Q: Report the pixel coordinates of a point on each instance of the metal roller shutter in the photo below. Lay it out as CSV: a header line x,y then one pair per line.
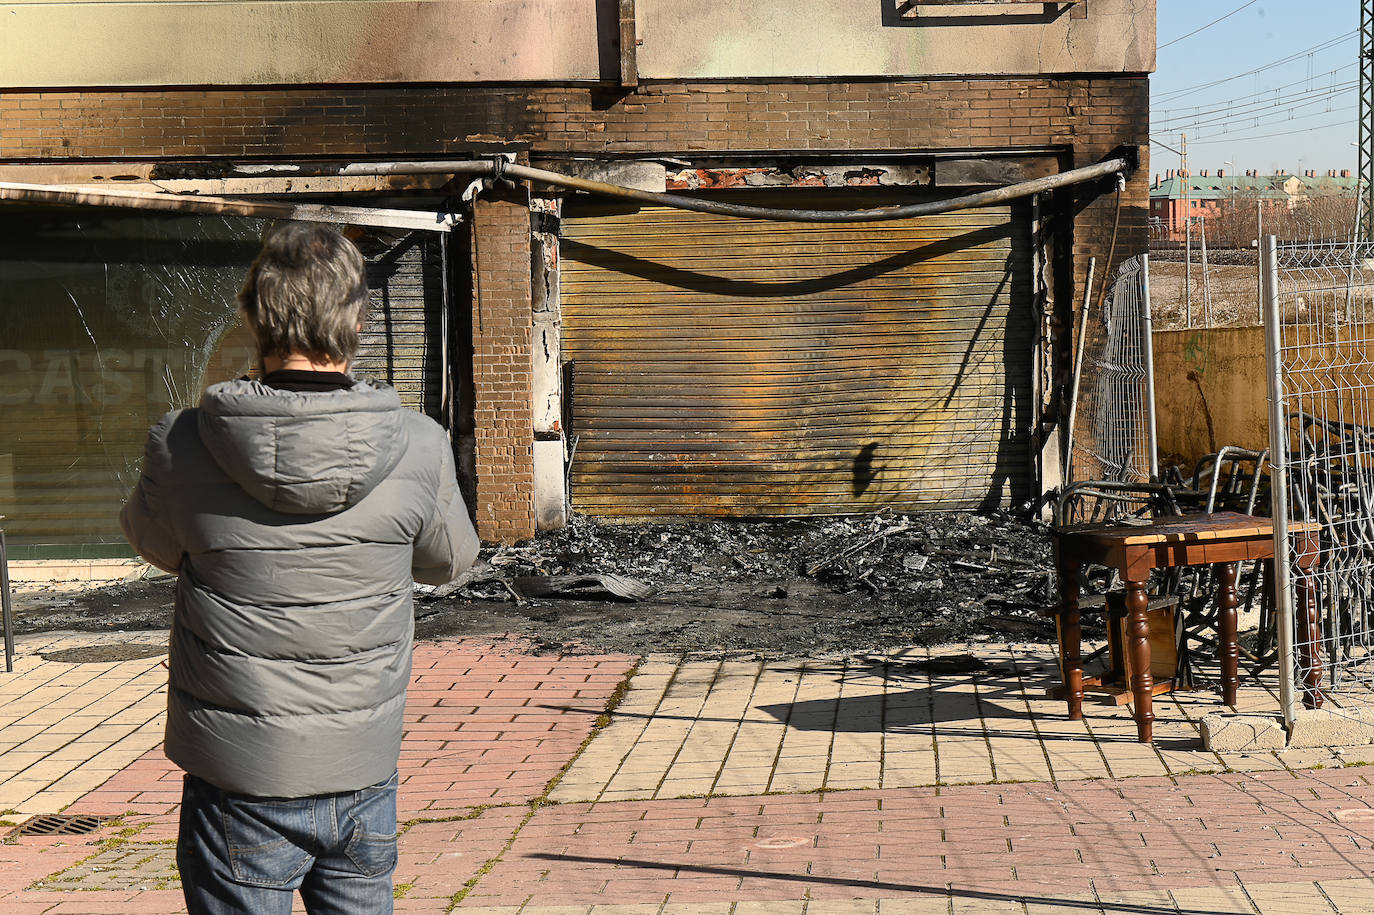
x,y
734,367
401,343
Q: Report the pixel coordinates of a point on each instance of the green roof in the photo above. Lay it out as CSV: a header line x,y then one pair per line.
x,y
1212,187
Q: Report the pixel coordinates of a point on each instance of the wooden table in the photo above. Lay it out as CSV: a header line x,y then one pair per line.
x,y
1221,539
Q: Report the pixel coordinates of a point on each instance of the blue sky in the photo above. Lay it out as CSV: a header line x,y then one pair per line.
x,y
1284,81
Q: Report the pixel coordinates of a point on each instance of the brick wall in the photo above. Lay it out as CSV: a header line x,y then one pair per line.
x,y
503,408
420,120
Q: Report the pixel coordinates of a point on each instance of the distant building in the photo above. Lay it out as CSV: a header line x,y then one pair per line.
x,y
1205,196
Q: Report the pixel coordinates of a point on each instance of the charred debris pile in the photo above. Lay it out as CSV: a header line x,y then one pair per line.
x,y
973,568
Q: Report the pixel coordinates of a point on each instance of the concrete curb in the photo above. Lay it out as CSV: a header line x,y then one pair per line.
x,y
1312,728
1230,733
1347,727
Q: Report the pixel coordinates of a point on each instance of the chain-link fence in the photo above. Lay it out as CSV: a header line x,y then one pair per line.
x,y
1320,331
1114,426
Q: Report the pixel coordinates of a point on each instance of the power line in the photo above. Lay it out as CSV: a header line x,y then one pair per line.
x,y
1269,99
1226,138
1188,90
1321,46
1301,117
1257,96
1257,111
1207,26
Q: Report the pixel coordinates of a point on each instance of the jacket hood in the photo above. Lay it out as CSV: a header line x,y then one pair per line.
x,y
303,453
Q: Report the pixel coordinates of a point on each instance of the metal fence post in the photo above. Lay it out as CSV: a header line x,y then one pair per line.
x,y
1278,475
1187,270
1259,256
1078,367
1148,347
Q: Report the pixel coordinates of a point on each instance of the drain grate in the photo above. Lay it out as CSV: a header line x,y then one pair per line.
x,y
59,825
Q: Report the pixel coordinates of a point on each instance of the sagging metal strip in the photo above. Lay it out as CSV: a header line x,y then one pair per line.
x,y
74,195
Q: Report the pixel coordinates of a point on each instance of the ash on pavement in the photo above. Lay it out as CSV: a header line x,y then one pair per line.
x,y
776,589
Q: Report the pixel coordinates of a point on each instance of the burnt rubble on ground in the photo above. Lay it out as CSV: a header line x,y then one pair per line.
x,y
941,562
770,589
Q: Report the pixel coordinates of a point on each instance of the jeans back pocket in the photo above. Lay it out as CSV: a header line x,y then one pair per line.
x,y
372,819
265,840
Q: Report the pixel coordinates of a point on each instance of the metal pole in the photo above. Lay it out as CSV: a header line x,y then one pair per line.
x,y
1187,268
1078,367
1365,117
1149,353
1187,229
1278,477
1206,276
1259,261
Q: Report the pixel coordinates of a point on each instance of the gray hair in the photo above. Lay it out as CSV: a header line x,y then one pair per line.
x,y
306,293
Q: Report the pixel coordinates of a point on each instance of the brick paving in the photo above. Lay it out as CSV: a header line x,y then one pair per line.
x,y
827,786
67,728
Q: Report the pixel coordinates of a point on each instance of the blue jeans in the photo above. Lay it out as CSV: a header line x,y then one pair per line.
x,y
238,853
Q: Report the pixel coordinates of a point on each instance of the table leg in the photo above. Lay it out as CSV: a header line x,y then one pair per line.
x,y
1309,641
1138,650
1071,637
1228,644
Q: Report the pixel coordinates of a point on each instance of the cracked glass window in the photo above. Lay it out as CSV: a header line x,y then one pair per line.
x,y
108,319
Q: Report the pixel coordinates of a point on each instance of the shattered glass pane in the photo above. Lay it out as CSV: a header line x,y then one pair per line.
x,y
108,319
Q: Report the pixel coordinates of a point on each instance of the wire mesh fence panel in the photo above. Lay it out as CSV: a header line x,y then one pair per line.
x,y
1114,426
1205,269
1320,321
1180,287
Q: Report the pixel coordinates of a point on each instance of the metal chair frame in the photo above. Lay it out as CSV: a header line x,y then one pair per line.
x,y
1231,479
1098,501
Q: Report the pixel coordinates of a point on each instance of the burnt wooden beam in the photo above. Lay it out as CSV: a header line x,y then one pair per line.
x,y
629,45
993,170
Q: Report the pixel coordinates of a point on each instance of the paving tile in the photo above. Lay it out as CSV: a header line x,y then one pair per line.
x,y
1217,900
1350,896
1279,898
914,906
782,907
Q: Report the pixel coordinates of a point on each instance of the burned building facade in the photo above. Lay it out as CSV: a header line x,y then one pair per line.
x,y
588,353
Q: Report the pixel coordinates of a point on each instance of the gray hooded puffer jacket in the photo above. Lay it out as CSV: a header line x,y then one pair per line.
x,y
295,522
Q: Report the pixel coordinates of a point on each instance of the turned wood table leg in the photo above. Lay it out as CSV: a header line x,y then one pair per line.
x,y
1138,650
1228,645
1071,637
1309,641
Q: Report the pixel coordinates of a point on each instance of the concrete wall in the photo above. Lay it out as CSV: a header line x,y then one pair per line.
x,y
1211,387
775,38
57,43
1210,390
201,42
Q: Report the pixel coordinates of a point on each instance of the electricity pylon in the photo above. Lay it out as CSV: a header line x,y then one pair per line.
x,y
1366,134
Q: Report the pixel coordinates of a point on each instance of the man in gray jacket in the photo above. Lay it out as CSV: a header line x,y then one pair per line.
x,y
295,510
